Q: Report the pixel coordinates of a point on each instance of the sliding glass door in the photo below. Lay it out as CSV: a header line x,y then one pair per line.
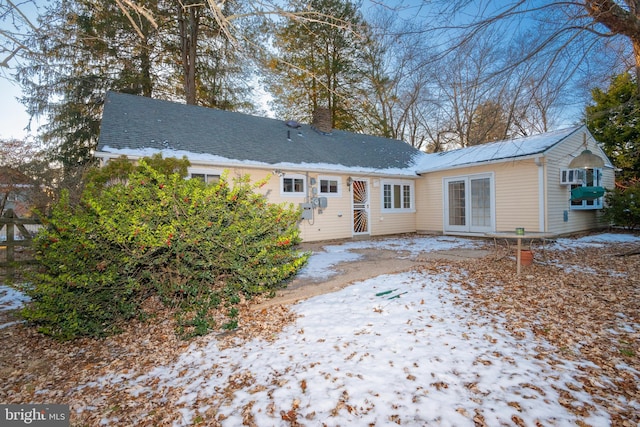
x,y
468,204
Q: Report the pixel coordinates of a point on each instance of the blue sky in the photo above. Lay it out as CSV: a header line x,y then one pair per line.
x,y
13,117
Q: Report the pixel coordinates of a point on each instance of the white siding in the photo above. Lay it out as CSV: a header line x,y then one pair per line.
x,y
561,219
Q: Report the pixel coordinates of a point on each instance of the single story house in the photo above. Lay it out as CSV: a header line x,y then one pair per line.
x,y
16,191
350,185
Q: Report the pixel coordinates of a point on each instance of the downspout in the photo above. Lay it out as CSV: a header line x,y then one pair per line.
x,y
541,195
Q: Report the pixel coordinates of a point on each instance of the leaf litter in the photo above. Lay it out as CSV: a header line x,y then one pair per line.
x,y
467,343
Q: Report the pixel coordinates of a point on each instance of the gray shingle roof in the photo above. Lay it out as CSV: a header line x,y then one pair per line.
x,y
139,123
506,150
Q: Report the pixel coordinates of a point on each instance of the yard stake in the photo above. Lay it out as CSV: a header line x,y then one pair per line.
x,y
398,296
379,294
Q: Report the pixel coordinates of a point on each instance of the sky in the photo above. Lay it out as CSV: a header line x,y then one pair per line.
x,y
13,116
14,119
392,349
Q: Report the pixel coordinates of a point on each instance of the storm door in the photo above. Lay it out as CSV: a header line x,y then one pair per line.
x,y
360,194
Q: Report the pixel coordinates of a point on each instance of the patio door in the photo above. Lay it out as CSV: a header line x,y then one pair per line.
x,y
469,204
360,204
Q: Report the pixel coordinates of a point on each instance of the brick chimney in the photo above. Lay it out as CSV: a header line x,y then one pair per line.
x,y
322,120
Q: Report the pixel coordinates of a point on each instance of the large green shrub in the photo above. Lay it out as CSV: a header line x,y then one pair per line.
x,y
198,247
623,206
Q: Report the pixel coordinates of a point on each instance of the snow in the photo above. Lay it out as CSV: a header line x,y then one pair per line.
x,y
226,162
319,265
595,240
354,357
11,298
418,359
500,150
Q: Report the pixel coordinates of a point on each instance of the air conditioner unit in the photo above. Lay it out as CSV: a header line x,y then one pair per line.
x,y
572,176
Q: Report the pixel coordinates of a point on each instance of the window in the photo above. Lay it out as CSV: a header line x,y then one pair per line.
x,y
205,177
592,178
329,186
397,196
469,205
293,185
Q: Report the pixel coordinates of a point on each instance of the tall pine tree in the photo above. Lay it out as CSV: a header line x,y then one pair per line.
x,y
614,120
86,47
316,64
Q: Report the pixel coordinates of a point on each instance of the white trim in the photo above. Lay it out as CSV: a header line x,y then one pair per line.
x,y
401,183
468,227
541,197
293,176
336,178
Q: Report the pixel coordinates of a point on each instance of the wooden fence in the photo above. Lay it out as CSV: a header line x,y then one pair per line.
x,y
10,240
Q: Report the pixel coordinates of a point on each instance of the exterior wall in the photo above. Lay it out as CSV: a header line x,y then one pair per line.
x,y
528,192
517,196
336,220
560,218
383,222
515,186
429,204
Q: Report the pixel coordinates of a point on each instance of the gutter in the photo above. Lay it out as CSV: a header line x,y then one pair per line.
x,y
289,167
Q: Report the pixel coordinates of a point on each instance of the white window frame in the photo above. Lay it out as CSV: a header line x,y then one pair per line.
x,y
586,205
338,193
293,176
206,172
468,226
402,184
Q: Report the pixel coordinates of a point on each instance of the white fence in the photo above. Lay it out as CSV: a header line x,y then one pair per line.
x,y
31,228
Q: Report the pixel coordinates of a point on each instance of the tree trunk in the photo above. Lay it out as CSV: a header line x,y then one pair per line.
x,y
636,56
145,64
189,21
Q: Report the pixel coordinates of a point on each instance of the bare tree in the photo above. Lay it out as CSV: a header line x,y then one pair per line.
x,y
15,26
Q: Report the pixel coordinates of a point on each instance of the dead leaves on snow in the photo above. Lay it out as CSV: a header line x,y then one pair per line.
x,y
585,303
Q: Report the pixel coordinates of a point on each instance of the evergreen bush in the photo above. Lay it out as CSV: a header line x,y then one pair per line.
x,y
200,247
623,206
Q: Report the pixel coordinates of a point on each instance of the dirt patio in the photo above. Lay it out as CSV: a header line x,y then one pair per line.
x,y
374,262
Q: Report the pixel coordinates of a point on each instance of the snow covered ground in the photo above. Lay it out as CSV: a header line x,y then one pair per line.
x,y
366,356
321,264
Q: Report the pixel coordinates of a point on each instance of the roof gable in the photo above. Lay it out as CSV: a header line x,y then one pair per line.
x,y
134,124
495,151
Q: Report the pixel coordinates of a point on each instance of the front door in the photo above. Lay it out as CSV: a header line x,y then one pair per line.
x,y
360,202
469,204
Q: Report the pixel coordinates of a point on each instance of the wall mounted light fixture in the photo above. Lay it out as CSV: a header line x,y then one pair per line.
x,y
586,159
349,182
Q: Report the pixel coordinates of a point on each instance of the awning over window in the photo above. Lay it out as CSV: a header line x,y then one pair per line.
x,y
587,193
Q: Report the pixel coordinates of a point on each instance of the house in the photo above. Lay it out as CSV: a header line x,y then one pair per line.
x,y
525,182
350,185
15,191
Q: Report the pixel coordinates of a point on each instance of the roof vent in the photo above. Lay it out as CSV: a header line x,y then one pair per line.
x,y
322,120
292,124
